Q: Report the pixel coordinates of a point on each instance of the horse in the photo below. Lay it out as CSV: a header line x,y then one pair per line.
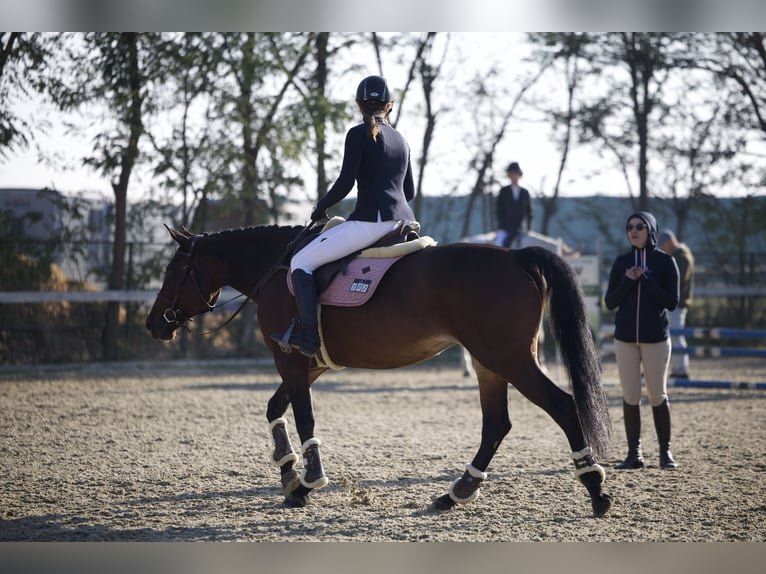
x,y
524,239
488,299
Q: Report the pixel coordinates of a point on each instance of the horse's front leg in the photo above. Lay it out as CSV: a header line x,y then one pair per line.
x,y
297,377
284,456
493,395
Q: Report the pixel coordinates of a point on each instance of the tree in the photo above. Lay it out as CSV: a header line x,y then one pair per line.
x,y
569,57
741,58
737,62
256,72
696,148
23,58
627,75
313,86
491,121
112,73
186,162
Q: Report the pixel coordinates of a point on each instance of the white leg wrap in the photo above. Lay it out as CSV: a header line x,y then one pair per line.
x,y
581,453
320,482
291,457
275,422
593,467
475,473
308,443
579,457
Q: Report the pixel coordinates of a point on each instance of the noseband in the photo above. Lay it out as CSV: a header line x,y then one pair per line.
x,y
173,314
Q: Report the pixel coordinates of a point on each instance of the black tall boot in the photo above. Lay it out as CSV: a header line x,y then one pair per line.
x,y
662,425
305,333
632,415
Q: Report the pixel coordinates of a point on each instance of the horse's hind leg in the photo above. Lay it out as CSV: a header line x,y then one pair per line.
x,y
538,388
493,396
284,456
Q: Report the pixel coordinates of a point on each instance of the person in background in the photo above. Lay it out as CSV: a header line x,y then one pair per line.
x,y
377,158
667,241
643,287
513,208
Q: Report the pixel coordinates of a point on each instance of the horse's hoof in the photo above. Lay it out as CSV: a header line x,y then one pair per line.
x,y
295,501
601,505
290,481
442,503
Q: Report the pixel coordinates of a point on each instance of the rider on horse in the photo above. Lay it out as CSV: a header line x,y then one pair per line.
x,y
377,158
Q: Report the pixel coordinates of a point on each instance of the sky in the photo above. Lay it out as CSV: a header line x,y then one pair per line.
x,y
525,142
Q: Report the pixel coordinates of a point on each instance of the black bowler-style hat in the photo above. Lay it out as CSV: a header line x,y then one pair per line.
x,y
514,166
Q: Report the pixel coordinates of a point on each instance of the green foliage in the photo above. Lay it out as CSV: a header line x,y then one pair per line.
x,y
23,59
24,264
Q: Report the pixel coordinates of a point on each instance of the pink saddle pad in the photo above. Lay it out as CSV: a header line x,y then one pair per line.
x,y
355,285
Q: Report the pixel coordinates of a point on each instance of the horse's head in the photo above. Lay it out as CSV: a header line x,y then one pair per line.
x,y
185,292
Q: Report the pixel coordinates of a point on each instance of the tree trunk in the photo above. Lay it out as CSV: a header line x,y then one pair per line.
x,y
319,120
130,153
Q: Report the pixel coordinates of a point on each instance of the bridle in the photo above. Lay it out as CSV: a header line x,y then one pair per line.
x,y
173,314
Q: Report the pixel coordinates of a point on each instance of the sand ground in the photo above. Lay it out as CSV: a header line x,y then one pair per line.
x,y
180,452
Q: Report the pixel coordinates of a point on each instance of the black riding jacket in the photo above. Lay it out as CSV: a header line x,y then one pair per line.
x,y
382,172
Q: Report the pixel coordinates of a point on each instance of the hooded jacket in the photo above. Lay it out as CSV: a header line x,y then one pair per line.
x,y
643,304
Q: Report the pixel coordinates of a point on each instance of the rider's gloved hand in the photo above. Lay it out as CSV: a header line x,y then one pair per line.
x,y
318,214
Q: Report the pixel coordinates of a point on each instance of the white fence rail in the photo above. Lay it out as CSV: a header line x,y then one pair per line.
x,y
75,296
126,296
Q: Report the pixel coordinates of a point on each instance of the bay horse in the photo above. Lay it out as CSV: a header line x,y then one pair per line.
x,y
488,299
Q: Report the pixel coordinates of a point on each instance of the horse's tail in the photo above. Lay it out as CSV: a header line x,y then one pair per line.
x,y
578,350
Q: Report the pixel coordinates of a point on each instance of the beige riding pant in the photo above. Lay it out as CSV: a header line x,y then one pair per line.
x,y
654,357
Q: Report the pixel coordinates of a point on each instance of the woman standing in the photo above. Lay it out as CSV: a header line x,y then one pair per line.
x,y
643,286
377,158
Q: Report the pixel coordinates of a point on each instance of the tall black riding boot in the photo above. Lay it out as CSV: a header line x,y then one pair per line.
x,y
305,333
632,415
662,425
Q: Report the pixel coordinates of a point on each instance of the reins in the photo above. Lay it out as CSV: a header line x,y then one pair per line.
x,y
252,294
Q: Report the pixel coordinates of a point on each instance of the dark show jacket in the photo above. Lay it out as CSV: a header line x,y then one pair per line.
x,y
510,213
382,172
643,304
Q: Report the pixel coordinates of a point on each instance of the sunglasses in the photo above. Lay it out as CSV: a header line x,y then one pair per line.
x,y
637,226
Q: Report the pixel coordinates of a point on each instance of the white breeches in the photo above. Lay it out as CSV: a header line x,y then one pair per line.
x,y
343,239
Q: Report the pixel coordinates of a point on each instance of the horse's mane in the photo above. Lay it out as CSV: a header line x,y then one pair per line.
x,y
262,237
250,229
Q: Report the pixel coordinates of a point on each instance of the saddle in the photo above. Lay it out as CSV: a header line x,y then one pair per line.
x,y
352,280
386,251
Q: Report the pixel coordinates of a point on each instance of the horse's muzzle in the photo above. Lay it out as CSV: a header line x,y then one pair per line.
x,y
160,328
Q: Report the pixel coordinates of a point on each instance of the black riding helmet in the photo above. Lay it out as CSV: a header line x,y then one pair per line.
x,y
373,89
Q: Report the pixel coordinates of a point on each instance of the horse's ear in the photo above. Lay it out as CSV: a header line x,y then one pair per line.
x,y
178,236
186,231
